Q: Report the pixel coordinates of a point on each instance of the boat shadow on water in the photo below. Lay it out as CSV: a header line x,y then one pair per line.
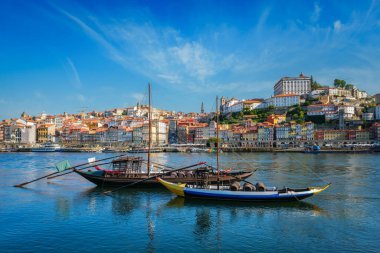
x,y
126,201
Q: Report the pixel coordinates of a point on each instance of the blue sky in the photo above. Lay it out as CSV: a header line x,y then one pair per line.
x,y
68,56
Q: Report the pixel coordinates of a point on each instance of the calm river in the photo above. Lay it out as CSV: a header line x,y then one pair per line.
x,y
69,214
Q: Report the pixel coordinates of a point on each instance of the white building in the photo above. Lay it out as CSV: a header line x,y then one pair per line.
x,y
329,110
20,131
358,93
332,91
58,121
235,105
227,106
367,116
283,100
349,111
252,104
159,133
28,133
319,92
293,85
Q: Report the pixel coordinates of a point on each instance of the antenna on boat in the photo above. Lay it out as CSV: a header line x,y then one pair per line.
x,y
150,129
217,140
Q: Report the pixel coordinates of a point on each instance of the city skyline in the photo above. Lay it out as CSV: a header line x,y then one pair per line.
x,y
66,56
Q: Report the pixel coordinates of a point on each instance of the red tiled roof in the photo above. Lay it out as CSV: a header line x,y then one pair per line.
x,y
286,95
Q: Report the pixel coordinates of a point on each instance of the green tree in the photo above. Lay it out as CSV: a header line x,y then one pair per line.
x,y
314,84
336,83
339,83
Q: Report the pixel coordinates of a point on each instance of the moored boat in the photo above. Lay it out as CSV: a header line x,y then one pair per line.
x,y
271,194
128,170
48,147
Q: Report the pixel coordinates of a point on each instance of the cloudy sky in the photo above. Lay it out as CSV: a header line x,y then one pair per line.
x,y
71,56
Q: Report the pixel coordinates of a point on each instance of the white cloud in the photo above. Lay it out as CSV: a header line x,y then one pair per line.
x,y
80,97
262,19
173,79
316,12
38,95
198,61
93,34
160,54
138,96
338,25
77,81
224,60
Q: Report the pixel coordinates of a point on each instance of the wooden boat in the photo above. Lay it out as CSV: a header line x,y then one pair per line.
x,y
263,195
128,170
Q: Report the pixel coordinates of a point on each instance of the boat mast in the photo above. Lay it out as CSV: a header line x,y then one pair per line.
x,y
217,140
150,129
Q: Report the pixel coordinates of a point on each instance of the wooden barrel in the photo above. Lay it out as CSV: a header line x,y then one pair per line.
x,y
189,174
173,175
181,174
248,187
260,186
235,186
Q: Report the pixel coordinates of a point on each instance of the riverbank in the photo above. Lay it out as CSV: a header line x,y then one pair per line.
x,y
227,150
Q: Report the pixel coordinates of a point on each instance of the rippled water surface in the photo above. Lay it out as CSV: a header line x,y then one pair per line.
x,y
69,214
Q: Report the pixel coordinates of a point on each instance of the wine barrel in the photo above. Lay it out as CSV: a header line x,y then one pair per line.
x,y
248,187
189,174
181,174
173,175
260,186
235,186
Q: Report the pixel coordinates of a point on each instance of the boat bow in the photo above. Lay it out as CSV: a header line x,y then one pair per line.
x,y
177,189
317,190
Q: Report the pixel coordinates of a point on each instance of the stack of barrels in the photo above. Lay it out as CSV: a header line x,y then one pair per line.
x,y
235,186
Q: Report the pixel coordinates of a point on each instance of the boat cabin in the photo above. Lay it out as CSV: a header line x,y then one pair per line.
x,y
128,165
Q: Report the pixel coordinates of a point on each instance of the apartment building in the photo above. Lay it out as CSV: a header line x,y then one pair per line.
x,y
300,85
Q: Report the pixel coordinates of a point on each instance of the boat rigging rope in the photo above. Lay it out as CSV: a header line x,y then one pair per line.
x,y
292,193
304,167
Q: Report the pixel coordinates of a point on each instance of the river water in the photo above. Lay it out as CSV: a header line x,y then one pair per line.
x,y
69,214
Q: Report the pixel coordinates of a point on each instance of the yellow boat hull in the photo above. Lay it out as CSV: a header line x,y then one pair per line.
x,y
177,189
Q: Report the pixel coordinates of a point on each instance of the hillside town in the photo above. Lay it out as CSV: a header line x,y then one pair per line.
x,y
300,113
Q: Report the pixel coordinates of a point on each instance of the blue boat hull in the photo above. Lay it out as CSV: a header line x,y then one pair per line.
x,y
246,196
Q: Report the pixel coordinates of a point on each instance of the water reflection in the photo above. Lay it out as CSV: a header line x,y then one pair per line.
x,y
150,246
203,222
123,202
62,206
179,202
